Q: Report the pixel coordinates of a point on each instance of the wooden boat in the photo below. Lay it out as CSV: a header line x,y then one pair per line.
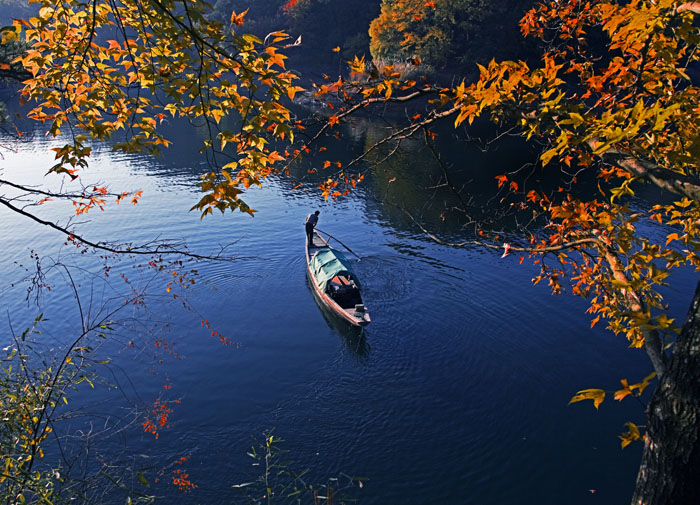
x,y
334,283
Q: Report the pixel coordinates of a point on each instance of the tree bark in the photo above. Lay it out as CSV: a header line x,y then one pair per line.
x,y
669,473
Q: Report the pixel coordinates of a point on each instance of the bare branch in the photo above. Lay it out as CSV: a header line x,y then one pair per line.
x,y
689,7
159,249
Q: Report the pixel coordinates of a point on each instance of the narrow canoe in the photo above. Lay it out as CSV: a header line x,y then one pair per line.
x,y
335,285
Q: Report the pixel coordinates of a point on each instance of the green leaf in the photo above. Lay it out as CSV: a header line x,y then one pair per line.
x,y
251,39
142,479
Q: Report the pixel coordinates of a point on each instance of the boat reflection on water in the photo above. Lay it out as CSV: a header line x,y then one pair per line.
x,y
353,337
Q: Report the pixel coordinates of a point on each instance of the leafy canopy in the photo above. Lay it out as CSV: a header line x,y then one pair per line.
x,y
101,69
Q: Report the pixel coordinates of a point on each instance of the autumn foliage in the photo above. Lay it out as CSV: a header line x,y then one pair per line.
x,y
612,95
116,70
447,35
433,30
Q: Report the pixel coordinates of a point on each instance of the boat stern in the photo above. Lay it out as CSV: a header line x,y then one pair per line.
x,y
361,315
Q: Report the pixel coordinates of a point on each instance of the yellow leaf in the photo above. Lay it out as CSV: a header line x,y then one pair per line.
x,y
641,386
45,12
8,35
547,156
629,437
597,395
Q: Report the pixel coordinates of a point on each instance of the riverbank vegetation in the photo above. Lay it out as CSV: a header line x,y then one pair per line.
x,y
605,89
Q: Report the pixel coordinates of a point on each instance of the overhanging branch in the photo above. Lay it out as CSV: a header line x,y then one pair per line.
x,y
159,249
536,250
663,178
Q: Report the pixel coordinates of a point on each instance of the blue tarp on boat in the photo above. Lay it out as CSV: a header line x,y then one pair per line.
x,y
327,263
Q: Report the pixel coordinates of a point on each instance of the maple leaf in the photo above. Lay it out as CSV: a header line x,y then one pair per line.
x,y
237,19
622,393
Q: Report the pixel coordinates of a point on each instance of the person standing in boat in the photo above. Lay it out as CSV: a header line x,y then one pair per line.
x,y
311,221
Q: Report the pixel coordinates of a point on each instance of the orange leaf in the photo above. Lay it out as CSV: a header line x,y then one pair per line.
x,y
136,197
237,19
275,156
619,395
292,90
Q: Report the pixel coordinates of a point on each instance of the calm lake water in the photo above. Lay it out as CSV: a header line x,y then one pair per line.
x,y
456,393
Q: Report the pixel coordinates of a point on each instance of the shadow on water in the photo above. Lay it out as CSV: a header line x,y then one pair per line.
x,y
353,337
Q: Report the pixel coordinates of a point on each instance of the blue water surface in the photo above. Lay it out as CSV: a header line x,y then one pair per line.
x,y
456,393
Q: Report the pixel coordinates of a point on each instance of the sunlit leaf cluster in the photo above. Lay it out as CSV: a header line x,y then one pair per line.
x,y
435,31
612,95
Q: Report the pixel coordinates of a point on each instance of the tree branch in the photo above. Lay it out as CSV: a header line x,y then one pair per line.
x,y
553,248
689,7
663,178
112,249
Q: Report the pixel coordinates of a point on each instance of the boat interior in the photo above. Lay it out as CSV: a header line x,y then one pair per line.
x,y
344,291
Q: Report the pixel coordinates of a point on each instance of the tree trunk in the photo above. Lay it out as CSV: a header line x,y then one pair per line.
x,y
669,473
